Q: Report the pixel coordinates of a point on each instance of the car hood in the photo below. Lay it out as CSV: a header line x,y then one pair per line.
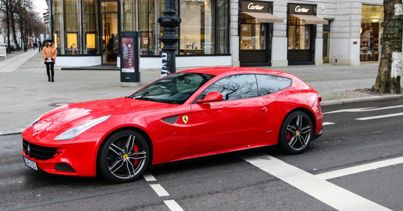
x,y
63,118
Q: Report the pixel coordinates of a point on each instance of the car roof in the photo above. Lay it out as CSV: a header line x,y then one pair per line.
x,y
224,70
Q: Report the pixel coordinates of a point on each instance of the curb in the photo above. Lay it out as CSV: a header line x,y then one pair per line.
x,y
324,103
360,99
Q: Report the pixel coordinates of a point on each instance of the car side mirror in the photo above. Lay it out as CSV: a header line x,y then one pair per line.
x,y
211,97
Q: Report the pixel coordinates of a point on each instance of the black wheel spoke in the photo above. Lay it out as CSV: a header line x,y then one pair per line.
x,y
130,168
130,143
291,128
306,130
293,141
117,150
116,165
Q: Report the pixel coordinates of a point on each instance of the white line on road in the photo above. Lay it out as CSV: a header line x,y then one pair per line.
x,y
328,123
161,192
331,194
360,168
380,116
149,177
173,205
356,110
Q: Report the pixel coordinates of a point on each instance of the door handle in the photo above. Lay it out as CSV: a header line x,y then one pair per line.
x,y
265,109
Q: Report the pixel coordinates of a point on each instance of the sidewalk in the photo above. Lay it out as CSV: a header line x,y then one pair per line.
x,y
26,93
15,61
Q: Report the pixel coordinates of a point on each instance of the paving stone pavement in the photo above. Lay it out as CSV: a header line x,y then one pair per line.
x,y
26,93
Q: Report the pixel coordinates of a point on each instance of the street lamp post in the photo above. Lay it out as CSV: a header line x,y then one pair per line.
x,y
169,38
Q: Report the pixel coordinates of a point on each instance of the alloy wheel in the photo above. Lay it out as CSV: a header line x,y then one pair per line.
x,y
299,132
126,157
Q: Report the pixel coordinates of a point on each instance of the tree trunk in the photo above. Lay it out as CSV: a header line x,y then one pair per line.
x,y
391,42
13,28
8,24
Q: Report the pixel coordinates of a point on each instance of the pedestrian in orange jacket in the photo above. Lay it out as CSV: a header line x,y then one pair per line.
x,y
49,54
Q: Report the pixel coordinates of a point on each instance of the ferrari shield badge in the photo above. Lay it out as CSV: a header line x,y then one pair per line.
x,y
185,119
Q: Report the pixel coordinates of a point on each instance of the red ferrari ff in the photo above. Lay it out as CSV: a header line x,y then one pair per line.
x,y
189,114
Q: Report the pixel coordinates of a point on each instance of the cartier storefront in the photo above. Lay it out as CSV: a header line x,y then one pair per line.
x,y
301,33
256,29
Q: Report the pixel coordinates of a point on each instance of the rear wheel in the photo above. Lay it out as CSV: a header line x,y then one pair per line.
x,y
296,133
124,157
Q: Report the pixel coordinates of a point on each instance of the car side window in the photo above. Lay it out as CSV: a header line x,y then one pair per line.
x,y
234,87
268,84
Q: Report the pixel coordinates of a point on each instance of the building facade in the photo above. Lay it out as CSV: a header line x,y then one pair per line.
x,y
221,32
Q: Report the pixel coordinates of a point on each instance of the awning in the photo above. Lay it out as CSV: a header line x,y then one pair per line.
x,y
311,19
264,17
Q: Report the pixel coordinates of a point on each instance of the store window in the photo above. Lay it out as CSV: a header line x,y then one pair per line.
x,y
200,31
150,30
129,15
299,34
371,29
89,27
58,31
72,26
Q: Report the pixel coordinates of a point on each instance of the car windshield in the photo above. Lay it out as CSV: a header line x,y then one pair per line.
x,y
176,88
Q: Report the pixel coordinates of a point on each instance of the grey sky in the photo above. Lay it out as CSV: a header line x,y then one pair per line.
x,y
40,6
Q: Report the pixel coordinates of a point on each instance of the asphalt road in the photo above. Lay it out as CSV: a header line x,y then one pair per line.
x,y
237,181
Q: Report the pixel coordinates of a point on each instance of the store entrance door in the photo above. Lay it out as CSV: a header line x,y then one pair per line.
x,y
255,44
109,31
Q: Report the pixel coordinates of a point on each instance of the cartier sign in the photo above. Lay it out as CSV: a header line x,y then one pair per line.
x,y
302,9
255,6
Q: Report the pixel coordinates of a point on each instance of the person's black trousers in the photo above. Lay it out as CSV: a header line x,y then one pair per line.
x,y
50,70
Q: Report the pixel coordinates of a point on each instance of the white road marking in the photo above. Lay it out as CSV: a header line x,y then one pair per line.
x,y
149,177
331,194
360,168
356,110
379,116
328,123
173,205
161,192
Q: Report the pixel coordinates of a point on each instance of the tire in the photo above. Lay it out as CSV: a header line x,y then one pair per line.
x,y
124,157
296,133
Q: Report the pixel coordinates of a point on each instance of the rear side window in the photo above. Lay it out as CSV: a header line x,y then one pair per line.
x,y
234,87
269,83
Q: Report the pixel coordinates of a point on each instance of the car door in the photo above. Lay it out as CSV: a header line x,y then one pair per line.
x,y
233,123
269,88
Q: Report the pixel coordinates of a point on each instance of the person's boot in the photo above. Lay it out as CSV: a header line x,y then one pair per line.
x,y
48,79
53,80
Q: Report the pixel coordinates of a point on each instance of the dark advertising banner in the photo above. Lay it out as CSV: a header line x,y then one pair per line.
x,y
129,57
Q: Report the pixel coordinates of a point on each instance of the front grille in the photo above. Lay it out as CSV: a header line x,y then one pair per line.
x,y
38,152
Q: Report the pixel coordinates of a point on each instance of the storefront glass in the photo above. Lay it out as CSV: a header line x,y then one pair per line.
x,y
298,34
71,22
90,31
371,29
129,15
200,32
76,23
58,32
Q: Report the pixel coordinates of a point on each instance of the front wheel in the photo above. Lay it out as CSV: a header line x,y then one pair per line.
x,y
124,156
296,133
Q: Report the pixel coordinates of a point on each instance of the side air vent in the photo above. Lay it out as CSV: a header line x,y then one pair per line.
x,y
170,120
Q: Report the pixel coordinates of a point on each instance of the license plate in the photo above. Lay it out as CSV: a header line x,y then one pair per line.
x,y
31,164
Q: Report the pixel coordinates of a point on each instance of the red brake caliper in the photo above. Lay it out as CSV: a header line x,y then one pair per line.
x,y
135,150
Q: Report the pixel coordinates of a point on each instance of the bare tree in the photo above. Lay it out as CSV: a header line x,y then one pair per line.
x,y
391,40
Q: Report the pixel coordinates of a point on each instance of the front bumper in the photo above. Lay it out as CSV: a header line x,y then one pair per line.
x,y
73,158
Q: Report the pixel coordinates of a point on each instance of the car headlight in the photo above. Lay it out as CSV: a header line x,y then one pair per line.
x,y
74,132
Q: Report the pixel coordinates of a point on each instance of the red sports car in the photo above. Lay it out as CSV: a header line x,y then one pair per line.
x,y
190,114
